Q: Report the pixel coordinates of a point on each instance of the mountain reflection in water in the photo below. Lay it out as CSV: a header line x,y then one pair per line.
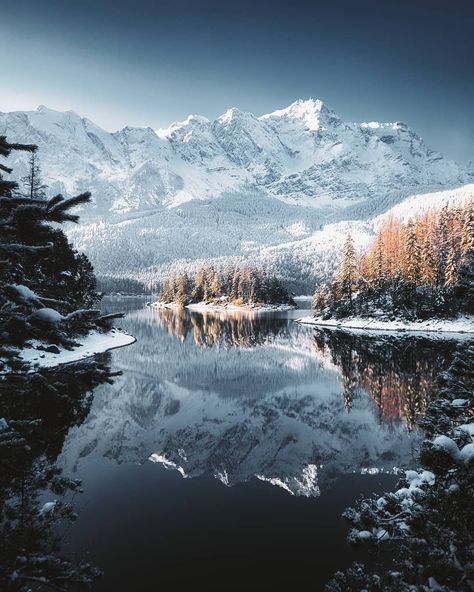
x,y
239,396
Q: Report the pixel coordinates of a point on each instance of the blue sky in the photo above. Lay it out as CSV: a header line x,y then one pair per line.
x,y
150,63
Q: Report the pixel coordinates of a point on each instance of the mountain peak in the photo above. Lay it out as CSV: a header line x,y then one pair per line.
x,y
307,110
48,111
191,120
232,114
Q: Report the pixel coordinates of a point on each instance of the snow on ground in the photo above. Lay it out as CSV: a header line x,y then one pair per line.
x,y
91,344
463,324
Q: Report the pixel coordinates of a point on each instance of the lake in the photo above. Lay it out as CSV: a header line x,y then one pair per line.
x,y
224,454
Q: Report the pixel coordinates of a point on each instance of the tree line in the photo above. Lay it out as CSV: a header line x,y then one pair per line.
x,y
237,285
418,268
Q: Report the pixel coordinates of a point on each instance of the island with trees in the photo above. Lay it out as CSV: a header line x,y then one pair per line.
x,y
418,274
237,288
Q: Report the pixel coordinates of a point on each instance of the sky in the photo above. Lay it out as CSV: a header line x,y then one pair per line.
x,y
152,62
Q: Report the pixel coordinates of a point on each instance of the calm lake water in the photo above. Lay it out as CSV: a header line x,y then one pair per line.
x,y
225,453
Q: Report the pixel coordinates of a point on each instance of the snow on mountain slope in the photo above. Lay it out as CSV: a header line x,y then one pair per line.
x,y
282,237
234,187
304,153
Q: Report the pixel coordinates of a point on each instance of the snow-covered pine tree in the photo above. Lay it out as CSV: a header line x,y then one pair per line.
x,y
442,244
197,294
216,285
451,268
182,289
467,233
428,260
39,271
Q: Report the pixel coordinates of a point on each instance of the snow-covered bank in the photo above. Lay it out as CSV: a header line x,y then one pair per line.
x,y
463,324
89,345
226,307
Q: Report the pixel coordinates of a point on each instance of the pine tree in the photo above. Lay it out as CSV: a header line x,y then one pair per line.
x,y
442,245
216,285
450,270
347,275
39,271
182,289
197,293
411,260
467,233
32,183
428,261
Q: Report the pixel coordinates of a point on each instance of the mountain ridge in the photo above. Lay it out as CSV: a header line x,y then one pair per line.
x,y
302,154
236,187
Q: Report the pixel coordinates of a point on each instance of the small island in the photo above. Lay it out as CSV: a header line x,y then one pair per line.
x,y
417,275
229,289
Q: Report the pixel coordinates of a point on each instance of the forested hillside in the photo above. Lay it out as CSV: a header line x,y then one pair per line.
x,y
419,268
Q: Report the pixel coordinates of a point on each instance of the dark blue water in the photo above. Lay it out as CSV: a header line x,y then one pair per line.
x,y
224,455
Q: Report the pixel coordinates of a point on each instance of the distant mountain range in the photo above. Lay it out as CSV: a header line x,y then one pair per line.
x,y
224,188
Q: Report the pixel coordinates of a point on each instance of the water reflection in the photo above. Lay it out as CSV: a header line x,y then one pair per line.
x,y
37,411
244,397
397,372
218,329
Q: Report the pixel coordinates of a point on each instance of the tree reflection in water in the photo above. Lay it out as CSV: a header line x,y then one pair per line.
x,y
217,329
37,411
398,372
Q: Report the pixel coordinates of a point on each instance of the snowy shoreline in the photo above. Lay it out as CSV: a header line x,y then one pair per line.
x,y
460,325
89,345
203,307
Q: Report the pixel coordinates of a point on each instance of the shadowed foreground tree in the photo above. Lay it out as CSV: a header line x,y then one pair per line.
x,y
46,288
36,500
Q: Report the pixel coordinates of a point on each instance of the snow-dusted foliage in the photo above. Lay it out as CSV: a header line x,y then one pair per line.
x,y
46,288
427,522
234,286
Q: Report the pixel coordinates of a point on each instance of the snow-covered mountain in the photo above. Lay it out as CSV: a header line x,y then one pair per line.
x,y
207,189
304,154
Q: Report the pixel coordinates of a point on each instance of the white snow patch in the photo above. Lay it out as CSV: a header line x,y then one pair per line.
x,y
460,325
49,315
89,345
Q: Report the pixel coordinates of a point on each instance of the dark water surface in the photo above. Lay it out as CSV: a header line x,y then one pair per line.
x,y
223,456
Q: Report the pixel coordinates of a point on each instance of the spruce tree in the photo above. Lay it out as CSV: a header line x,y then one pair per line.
x,y
182,290
197,294
347,275
33,186
412,259
451,268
